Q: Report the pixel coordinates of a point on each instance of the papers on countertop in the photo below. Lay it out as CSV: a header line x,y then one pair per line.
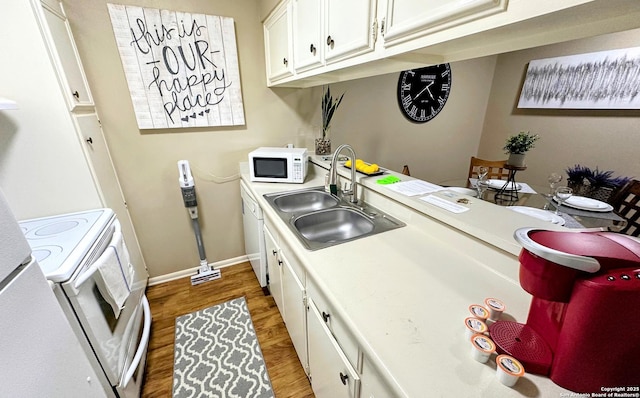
x,y
525,188
414,187
444,204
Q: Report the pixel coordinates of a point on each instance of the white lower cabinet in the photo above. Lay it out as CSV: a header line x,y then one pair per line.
x,y
293,296
274,270
332,376
372,384
288,292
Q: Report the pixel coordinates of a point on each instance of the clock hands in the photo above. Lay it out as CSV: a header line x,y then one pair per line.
x,y
425,89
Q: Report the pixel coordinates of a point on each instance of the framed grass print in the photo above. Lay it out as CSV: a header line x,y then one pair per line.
x,y
598,80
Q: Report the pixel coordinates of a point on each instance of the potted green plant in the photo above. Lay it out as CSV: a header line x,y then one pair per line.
x,y
329,106
516,146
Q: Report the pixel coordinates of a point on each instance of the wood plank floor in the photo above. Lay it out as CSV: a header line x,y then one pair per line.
x,y
172,299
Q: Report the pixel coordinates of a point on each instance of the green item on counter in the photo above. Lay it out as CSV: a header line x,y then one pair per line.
x,y
388,180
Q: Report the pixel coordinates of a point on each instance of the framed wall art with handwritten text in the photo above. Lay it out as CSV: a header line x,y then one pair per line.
x,y
598,80
181,68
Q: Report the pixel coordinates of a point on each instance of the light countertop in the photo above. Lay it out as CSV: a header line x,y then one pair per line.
x,y
405,293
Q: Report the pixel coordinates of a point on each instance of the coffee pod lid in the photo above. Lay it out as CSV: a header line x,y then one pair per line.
x,y
510,365
494,304
475,325
483,343
479,311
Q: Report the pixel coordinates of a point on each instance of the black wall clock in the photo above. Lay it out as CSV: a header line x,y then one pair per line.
x,y
422,93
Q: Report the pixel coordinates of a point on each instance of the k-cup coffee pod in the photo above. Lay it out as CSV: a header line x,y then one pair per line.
x,y
508,370
482,347
473,326
479,311
495,307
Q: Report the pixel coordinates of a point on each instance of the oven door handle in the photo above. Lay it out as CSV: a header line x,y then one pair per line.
x,y
144,341
115,239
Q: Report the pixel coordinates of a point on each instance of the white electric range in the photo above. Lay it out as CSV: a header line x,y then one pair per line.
x,y
70,248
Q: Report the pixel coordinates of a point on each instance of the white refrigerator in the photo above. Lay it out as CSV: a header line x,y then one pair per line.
x,y
41,356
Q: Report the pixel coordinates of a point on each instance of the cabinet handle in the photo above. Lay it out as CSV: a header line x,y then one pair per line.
x,y
329,41
76,94
274,252
312,49
89,140
284,61
325,316
344,378
279,262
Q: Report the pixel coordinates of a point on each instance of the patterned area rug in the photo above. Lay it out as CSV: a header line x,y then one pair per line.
x,y
217,354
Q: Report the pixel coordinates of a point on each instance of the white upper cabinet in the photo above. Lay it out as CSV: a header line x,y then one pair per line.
x,y
408,19
58,34
277,42
350,28
326,31
308,43
338,40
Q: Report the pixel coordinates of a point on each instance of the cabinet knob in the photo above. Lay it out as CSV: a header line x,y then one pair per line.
x,y
284,61
76,94
89,140
274,252
312,49
279,262
329,41
325,316
344,378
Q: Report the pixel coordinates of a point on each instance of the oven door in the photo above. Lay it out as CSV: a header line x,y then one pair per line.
x,y
108,336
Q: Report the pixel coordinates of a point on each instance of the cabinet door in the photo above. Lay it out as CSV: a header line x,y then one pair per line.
x,y
331,374
105,177
277,41
349,28
296,314
63,53
274,268
408,19
372,384
307,33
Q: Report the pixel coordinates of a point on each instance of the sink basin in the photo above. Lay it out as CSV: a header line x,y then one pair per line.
x,y
306,201
319,219
333,225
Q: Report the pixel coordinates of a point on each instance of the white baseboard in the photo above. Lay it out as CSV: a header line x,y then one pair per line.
x,y
156,280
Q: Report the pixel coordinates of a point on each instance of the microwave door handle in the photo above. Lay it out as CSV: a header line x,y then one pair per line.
x,y
144,341
117,236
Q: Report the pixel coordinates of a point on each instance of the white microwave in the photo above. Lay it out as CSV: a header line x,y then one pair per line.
x,y
269,164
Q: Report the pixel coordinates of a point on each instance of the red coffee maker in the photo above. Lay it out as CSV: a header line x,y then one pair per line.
x,y
583,328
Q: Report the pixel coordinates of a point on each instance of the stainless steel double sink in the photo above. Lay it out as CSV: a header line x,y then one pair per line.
x,y
320,219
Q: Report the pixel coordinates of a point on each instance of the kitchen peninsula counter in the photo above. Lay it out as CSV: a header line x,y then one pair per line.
x,y
405,293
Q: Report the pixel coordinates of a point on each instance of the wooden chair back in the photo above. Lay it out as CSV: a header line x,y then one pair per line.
x,y
626,203
496,168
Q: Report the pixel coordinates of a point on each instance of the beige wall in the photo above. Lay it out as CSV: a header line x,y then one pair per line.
x,y
369,119
607,139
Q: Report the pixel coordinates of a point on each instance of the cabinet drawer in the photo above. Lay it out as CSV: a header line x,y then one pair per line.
x,y
335,323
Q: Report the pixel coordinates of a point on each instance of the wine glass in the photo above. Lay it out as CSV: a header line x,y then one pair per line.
x,y
482,172
553,179
481,187
562,194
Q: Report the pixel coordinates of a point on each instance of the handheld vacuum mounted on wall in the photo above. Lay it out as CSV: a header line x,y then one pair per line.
x,y
188,188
